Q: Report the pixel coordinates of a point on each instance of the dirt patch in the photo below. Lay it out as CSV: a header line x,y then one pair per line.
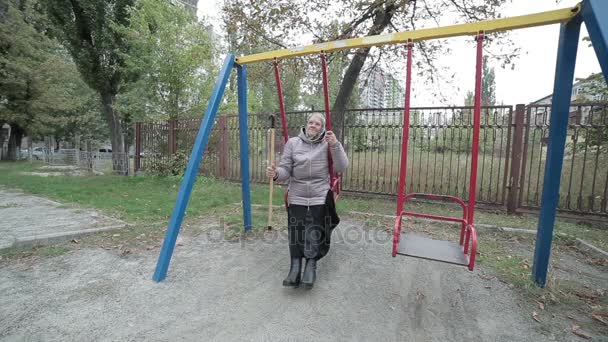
x,y
61,170
574,302
231,291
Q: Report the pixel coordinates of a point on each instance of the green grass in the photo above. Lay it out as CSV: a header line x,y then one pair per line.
x,y
146,203
135,199
149,201
46,251
582,183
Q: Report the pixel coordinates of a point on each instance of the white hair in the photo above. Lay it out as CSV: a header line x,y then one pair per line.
x,y
319,116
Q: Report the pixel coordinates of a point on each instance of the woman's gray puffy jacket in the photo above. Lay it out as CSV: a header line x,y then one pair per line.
x,y
304,163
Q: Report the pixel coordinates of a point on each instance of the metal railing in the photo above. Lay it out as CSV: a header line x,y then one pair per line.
x,y
511,161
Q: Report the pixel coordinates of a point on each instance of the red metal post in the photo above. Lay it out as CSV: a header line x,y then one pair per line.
x,y
277,77
223,148
406,131
332,176
476,126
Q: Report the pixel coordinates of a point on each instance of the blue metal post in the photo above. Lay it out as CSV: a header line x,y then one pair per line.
x,y
244,145
185,189
593,11
560,108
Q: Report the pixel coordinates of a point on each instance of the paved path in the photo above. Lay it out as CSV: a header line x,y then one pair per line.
x,y
30,220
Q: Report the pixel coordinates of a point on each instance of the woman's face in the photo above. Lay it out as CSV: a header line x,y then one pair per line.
x,y
314,126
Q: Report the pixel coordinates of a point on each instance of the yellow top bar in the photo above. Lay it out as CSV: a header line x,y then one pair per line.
x,y
487,26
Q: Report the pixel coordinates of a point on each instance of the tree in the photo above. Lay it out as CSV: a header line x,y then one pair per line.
x,y
23,49
469,100
595,90
488,84
173,53
41,92
488,87
68,107
257,24
89,31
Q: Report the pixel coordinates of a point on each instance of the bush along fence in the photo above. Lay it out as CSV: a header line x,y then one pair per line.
x,y
511,162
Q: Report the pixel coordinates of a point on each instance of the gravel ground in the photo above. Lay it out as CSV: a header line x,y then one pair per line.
x,y
219,290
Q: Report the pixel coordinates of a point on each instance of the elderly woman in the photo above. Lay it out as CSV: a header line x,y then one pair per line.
x,y
311,211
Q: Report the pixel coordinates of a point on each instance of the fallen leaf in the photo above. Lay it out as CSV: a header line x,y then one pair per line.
x,y
541,306
535,316
599,317
115,235
581,334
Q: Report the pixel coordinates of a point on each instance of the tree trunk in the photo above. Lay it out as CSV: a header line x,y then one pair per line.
x,y
382,18
3,133
346,89
14,142
116,133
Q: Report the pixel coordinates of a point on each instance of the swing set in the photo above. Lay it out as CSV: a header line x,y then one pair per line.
x,y
594,13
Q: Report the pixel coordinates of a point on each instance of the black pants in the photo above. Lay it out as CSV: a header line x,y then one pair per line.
x,y
310,227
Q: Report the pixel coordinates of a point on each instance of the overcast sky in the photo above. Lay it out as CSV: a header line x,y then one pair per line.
x,y
533,73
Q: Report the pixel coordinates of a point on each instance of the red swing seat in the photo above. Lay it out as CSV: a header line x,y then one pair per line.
x,y
462,253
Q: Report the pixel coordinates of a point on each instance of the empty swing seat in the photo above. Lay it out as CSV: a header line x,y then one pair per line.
x,y
417,246
437,250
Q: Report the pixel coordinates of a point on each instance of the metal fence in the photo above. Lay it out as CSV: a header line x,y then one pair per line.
x,y
584,180
93,162
511,161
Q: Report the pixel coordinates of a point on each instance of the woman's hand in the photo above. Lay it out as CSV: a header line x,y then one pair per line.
x,y
271,171
330,137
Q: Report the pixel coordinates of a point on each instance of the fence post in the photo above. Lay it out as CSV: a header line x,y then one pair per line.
x,y
137,146
516,156
77,148
223,147
90,160
172,141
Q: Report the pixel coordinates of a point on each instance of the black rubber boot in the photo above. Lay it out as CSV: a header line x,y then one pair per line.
x,y
293,278
308,279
